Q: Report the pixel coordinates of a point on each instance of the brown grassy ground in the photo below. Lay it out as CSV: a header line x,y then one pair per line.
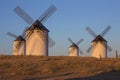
x,y
58,68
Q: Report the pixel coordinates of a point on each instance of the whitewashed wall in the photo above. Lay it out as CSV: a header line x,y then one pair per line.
x,y
73,51
37,44
20,50
99,49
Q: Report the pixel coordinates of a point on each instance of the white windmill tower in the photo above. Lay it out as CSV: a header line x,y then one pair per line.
x,y
99,44
18,44
74,49
37,34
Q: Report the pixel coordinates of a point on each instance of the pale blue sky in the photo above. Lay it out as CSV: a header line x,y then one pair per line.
x,y
70,20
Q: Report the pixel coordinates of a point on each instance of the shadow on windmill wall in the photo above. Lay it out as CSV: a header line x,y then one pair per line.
x,y
104,76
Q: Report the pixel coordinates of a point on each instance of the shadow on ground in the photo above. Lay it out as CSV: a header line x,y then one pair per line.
x,y
104,76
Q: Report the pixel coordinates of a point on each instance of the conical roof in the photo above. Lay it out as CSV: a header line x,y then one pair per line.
x,y
37,25
19,38
99,38
74,45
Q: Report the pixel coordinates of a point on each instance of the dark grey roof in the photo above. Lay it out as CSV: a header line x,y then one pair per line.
x,y
37,25
74,45
19,38
99,38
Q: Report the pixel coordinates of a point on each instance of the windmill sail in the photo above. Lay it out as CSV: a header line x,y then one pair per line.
x,y
12,35
70,40
105,31
79,41
47,13
91,32
23,15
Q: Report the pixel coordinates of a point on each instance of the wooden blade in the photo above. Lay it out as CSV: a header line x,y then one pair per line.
x,y
90,31
89,49
51,42
12,35
109,48
20,12
30,32
47,13
105,31
81,40
70,40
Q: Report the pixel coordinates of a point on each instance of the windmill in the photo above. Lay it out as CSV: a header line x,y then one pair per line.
x,y
18,44
74,49
99,44
37,34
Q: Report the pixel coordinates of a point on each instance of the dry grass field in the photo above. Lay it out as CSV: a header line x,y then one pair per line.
x,y
58,68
